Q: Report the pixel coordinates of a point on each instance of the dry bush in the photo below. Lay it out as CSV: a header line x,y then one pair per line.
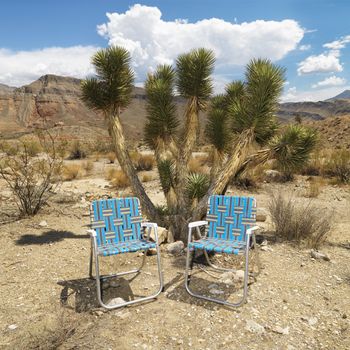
x,y
338,165
142,162
147,178
119,179
77,151
299,221
33,147
197,164
111,157
315,187
101,146
51,334
71,172
88,166
32,179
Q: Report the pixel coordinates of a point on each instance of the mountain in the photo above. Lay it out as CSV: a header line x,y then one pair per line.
x,y
54,101
345,95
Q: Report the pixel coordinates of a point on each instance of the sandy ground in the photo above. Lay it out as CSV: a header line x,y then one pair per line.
x,y
47,301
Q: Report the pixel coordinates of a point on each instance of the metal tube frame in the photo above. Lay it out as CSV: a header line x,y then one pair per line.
x,y
246,270
99,277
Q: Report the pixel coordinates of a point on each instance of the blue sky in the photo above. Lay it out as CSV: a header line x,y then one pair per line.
x,y
310,38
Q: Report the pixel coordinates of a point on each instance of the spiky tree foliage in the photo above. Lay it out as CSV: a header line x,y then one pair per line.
x,y
241,127
292,148
109,91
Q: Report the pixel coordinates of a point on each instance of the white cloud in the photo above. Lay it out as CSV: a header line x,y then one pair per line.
x,y
295,95
22,67
331,81
338,44
152,40
324,63
304,47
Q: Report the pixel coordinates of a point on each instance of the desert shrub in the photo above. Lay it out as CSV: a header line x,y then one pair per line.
x,y
71,171
101,145
119,179
315,187
62,148
111,157
33,147
147,177
142,162
88,166
32,179
298,221
77,151
338,165
197,163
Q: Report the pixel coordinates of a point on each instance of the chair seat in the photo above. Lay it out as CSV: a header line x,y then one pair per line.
x,y
218,245
125,247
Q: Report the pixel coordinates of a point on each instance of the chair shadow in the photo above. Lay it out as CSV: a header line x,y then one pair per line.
x,y
179,293
51,236
81,295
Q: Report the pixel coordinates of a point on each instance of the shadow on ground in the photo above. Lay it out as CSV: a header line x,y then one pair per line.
x,y
48,237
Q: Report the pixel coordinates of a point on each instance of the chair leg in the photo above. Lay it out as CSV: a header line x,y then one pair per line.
x,y
98,282
223,302
90,263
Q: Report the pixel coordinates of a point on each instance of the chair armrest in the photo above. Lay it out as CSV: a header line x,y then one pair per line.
x,y
149,226
92,233
251,230
197,224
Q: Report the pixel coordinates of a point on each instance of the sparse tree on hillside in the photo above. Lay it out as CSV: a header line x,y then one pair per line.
x,y
241,128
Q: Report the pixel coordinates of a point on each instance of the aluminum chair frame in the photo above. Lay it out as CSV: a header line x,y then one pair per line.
x,y
148,226
249,234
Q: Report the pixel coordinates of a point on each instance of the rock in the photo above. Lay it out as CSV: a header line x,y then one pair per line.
x,y
122,314
254,327
43,223
238,275
261,215
170,238
318,255
216,291
152,251
116,301
280,330
12,327
312,321
98,313
175,248
272,175
162,235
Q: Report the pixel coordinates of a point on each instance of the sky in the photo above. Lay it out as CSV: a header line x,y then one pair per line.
x,y
310,38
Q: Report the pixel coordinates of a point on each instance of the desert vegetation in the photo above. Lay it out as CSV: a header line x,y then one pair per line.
x,y
241,130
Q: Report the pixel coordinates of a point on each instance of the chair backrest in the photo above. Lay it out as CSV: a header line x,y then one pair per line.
x,y
229,217
116,220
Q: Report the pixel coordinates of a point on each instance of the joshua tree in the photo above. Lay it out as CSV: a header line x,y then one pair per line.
x,y
241,127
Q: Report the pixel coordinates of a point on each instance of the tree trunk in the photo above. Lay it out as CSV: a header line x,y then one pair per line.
x,y
230,168
125,162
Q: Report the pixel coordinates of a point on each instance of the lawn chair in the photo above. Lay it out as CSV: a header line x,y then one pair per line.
x,y
228,229
116,229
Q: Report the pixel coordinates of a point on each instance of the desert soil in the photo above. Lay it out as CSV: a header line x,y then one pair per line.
x,y
47,300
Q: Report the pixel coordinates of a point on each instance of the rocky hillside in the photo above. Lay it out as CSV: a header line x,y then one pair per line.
x,y
54,101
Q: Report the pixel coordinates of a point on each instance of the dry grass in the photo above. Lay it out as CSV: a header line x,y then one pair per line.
x,y
51,334
78,151
142,162
299,221
338,165
199,164
111,157
88,166
71,172
315,187
147,178
120,180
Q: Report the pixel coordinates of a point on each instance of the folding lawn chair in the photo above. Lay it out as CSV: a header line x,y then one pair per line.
x,y
116,229
229,227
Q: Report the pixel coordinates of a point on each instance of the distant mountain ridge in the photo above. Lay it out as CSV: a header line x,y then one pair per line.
x,y
55,101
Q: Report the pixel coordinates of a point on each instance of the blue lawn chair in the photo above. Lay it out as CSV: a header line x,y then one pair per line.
x,y
229,227
116,229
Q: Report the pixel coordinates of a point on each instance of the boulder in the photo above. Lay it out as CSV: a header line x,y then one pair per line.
x,y
162,235
175,248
